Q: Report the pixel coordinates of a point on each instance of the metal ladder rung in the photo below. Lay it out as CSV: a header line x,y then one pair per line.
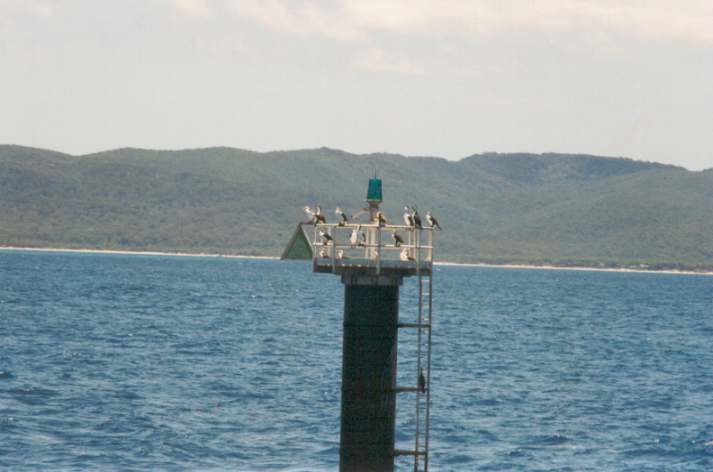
x,y
414,325
408,389
408,452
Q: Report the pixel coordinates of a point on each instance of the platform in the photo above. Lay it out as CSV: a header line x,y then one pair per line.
x,y
375,252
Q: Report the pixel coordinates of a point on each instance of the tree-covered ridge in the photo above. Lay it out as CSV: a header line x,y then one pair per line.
x,y
497,208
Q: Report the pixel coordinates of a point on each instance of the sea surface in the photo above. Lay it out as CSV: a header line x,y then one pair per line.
x,y
115,362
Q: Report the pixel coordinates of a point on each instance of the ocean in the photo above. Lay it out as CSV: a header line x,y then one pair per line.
x,y
116,362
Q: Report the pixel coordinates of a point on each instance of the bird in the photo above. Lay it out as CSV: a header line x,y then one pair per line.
x,y
354,237
398,240
342,217
357,214
323,252
421,381
319,216
362,238
326,238
416,218
405,256
340,254
316,214
408,218
381,218
432,220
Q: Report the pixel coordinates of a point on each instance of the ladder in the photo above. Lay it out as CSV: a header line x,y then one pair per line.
x,y
422,387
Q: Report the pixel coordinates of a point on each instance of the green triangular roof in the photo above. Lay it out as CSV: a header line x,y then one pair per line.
x,y
299,246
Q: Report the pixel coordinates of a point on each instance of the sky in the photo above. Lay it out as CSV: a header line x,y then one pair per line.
x,y
448,78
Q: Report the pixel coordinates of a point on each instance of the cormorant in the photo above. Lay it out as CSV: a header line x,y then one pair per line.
x,y
342,217
316,214
416,218
405,256
408,218
326,238
398,240
432,220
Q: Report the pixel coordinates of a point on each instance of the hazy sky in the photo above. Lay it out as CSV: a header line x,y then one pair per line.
x,y
445,78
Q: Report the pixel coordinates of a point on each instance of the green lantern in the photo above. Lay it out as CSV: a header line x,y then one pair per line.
x,y
373,195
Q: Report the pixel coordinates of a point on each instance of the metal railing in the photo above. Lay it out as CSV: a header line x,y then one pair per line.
x,y
371,249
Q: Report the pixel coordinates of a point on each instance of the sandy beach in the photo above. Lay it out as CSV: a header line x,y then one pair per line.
x,y
437,263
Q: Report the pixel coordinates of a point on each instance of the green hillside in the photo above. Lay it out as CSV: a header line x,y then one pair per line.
x,y
498,208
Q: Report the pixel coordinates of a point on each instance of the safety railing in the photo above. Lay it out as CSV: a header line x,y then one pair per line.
x,y
372,245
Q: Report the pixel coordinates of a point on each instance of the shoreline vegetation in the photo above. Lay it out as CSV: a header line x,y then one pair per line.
x,y
437,263
561,210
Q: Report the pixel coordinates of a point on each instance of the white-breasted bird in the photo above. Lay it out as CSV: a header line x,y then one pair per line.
x,y
405,256
316,214
340,254
381,218
408,218
416,218
432,221
326,238
342,216
362,238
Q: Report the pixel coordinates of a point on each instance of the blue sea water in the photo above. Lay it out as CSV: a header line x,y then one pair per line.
x,y
111,362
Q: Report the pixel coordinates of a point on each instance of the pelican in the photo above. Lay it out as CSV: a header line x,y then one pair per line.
x,y
398,240
432,220
342,217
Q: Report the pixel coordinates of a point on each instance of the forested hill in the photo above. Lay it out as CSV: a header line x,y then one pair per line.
x,y
497,208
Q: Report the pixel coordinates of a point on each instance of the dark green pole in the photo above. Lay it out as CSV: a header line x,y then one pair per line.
x,y
371,310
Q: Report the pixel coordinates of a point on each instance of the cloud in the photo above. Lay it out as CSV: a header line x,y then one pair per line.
x,y
195,8
379,60
40,8
361,20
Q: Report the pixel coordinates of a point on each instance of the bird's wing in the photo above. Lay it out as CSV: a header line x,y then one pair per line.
x,y
358,213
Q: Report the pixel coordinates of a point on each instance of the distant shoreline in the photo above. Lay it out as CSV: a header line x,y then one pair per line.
x,y
447,264
134,253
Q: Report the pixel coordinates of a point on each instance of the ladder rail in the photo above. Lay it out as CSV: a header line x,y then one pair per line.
x,y
420,450
418,352
428,366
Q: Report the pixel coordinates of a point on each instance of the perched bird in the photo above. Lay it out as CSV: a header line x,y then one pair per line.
x,y
408,218
362,238
326,238
342,217
416,218
421,381
381,218
319,216
340,254
405,256
357,214
323,252
398,240
354,237
432,221
316,214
